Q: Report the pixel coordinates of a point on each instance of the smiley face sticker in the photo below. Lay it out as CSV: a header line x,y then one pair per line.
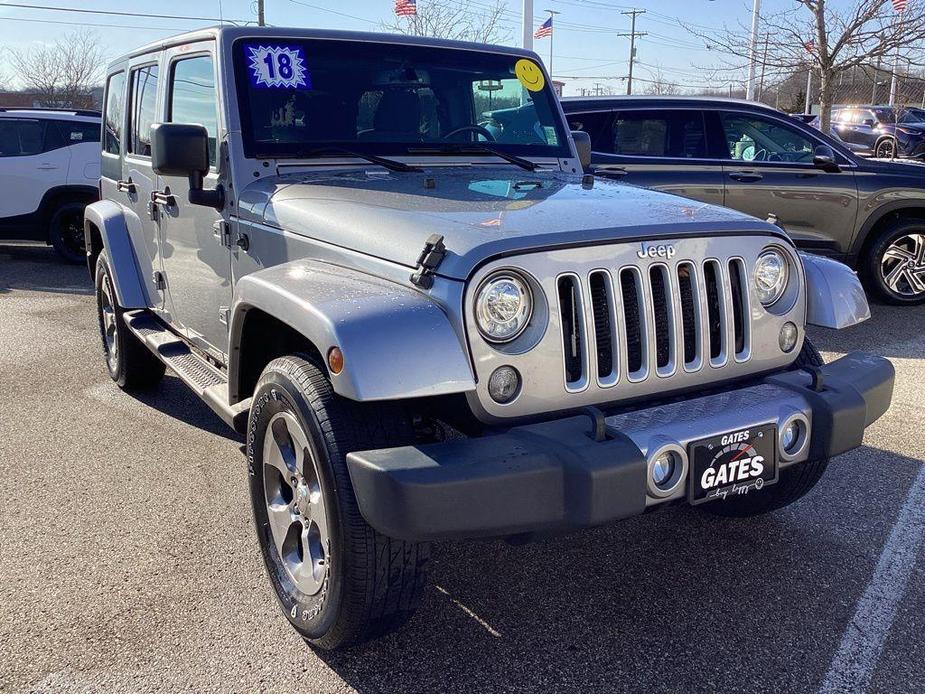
x,y
529,74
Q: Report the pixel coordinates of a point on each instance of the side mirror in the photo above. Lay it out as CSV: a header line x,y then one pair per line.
x,y
182,149
824,158
583,147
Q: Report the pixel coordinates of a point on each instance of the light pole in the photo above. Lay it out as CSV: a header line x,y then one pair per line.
x,y
261,16
528,25
753,52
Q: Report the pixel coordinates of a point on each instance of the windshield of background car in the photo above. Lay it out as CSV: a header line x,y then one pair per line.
x,y
298,96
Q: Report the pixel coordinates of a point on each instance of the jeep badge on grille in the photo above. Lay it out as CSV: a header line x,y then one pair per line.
x,y
662,250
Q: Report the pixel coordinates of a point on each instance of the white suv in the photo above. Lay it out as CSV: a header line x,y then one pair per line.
x,y
49,172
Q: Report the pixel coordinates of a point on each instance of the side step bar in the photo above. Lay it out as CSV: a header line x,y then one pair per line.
x,y
208,382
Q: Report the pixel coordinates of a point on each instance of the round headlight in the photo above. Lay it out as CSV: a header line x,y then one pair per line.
x,y
771,274
503,307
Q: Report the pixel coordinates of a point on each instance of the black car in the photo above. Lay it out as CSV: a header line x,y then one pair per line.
x,y
882,129
755,159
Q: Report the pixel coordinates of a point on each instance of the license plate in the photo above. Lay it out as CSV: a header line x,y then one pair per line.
x,y
732,464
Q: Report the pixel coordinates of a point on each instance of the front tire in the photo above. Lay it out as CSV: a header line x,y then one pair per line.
x,y
894,266
794,481
338,581
131,365
885,148
66,232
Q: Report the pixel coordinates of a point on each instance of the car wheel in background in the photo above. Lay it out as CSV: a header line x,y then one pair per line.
x,y
66,232
885,148
338,581
894,267
130,363
793,482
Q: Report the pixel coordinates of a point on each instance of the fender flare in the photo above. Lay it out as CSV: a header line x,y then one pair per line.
x,y
106,216
397,343
835,297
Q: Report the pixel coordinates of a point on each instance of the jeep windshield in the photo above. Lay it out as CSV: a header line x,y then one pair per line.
x,y
298,98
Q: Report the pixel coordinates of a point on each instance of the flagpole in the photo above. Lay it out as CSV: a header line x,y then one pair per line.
x,y
552,13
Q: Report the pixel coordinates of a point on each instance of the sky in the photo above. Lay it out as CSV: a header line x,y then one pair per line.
x,y
586,49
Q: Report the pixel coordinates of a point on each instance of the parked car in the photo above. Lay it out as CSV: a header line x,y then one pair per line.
x,y
426,329
49,172
812,120
752,158
886,130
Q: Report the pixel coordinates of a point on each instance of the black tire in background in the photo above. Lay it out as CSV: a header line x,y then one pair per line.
x,y
794,481
131,365
66,232
371,583
885,148
875,267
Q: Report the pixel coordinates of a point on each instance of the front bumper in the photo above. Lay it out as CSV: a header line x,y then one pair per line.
x,y
554,476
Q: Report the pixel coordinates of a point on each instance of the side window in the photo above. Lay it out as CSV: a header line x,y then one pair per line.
x,y
674,134
753,138
115,104
192,97
142,115
20,137
77,132
597,125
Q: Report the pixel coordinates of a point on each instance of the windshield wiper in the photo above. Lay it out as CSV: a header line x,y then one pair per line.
x,y
390,164
469,148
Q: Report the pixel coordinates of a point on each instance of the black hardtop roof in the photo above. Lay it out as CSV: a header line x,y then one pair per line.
x,y
573,103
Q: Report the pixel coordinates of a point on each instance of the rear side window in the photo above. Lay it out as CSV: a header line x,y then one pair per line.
x,y
192,97
596,124
143,113
112,118
673,134
20,137
76,132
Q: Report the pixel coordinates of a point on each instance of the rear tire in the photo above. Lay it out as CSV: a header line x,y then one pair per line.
x,y
131,365
794,481
66,232
337,580
894,265
885,148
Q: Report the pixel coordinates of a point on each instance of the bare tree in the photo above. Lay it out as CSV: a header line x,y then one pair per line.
x,y
460,21
658,85
829,41
62,73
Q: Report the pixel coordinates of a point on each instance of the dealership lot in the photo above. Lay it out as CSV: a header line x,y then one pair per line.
x,y
128,561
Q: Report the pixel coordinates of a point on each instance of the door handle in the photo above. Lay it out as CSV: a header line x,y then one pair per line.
x,y
47,167
164,198
613,171
745,176
125,186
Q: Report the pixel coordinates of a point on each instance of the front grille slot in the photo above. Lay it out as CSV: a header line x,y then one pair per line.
x,y
662,314
737,286
605,335
716,323
571,317
634,317
690,314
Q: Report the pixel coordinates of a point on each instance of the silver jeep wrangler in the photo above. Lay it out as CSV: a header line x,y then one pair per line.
x,y
378,258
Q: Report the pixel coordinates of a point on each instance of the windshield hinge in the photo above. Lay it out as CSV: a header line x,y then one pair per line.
x,y
428,262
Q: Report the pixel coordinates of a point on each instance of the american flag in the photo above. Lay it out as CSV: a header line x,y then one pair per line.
x,y
810,46
900,5
405,8
545,30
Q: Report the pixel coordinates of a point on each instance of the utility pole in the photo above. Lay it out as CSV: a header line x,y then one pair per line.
x,y
873,93
893,82
764,62
632,36
261,19
552,13
528,25
809,89
753,52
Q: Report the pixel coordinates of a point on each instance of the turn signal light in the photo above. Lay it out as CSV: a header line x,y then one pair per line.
x,y
335,360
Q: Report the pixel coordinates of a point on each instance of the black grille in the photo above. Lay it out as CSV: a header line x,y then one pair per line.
x,y
662,316
569,308
738,305
713,309
688,312
603,330
631,317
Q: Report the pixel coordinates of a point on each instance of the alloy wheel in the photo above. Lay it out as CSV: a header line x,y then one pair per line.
x,y
885,149
295,503
902,266
109,324
72,232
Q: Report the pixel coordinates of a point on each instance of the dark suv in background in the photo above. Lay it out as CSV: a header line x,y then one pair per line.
x,y
884,130
755,159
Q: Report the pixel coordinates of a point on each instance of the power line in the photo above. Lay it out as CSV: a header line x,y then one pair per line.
x,y
92,24
115,13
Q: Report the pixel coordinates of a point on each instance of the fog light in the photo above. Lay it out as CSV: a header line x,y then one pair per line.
x,y
788,337
793,436
504,384
663,468
790,437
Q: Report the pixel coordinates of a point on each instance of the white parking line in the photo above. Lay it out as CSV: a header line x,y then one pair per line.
x,y
863,640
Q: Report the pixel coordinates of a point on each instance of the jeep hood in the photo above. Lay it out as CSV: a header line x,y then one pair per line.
x,y
480,211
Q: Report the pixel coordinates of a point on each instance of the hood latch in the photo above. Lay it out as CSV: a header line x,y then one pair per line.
x,y
428,262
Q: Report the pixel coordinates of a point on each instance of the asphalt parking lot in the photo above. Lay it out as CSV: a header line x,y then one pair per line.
x,y
128,561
